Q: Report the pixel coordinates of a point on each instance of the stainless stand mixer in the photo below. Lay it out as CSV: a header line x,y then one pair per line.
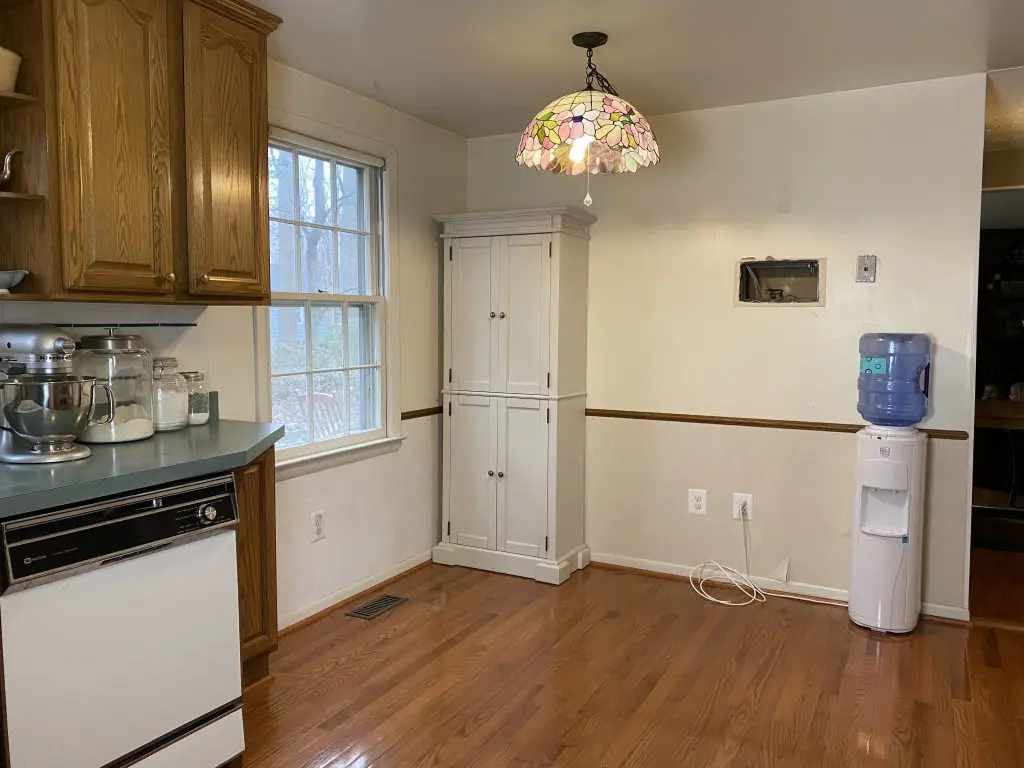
x,y
43,407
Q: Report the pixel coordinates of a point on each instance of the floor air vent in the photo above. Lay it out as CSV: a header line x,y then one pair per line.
x,y
376,607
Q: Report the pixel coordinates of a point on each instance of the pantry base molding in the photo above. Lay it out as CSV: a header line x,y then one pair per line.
x,y
546,571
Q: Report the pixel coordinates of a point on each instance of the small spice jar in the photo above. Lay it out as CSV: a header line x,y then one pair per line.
x,y
170,395
198,398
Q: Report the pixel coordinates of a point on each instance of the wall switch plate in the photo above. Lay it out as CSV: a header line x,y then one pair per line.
x,y
698,502
866,266
316,520
742,506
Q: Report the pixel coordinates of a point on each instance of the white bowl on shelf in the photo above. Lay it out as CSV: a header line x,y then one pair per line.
x,y
10,63
11,279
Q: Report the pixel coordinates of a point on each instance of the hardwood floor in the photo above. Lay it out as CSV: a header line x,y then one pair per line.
x,y
619,669
997,587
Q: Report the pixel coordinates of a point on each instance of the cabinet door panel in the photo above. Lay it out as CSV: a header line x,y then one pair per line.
x,y
523,491
473,426
257,556
472,299
115,162
226,155
525,300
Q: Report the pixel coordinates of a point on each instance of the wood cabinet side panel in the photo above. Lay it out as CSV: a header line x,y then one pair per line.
x,y
257,560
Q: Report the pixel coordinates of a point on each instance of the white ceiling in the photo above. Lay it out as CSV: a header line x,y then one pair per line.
x,y
482,67
1004,111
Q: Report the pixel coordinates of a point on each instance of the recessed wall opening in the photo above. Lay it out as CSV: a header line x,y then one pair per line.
x,y
790,281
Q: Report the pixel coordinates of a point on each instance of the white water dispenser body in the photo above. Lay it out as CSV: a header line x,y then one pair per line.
x,y
888,527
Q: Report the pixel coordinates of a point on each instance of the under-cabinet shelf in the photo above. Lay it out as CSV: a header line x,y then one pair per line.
x,y
10,99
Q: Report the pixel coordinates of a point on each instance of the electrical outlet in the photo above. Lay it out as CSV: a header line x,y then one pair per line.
x,y
743,506
317,521
698,502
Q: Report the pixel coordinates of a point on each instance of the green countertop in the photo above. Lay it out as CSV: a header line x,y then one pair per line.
x,y
167,457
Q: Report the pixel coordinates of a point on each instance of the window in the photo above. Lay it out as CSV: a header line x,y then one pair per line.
x,y
328,305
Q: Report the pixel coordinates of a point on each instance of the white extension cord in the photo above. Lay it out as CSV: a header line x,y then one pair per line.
x,y
713,571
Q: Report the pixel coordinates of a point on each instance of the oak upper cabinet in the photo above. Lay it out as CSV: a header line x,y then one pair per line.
x,y
226,150
515,352
257,558
113,77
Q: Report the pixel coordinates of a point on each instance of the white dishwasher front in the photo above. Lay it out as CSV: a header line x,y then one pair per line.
x,y
136,654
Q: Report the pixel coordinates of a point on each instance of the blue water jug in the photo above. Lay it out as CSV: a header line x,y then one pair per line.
x,y
893,384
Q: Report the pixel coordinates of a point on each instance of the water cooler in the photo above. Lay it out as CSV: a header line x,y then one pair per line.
x,y
888,514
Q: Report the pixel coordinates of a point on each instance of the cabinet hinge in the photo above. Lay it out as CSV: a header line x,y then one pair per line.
x,y
545,543
549,415
449,409
449,253
550,249
449,375
450,531
549,379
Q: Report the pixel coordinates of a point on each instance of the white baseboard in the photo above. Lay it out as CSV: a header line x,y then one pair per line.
x,y
511,564
293,617
795,588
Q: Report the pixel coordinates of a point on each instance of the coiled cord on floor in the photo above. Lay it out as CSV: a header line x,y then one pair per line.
x,y
706,571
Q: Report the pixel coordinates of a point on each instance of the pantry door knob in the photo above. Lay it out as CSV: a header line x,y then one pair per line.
x,y
490,473
501,474
492,314
501,314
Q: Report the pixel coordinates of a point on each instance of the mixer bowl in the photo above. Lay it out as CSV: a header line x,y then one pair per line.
x,y
49,411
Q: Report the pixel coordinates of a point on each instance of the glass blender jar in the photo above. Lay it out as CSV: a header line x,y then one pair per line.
x,y
124,363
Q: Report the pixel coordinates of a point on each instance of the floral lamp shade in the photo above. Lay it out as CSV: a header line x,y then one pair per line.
x,y
588,130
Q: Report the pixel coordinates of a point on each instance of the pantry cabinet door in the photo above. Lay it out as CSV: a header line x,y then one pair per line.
x,y
523,485
473,427
524,314
226,155
113,81
472,299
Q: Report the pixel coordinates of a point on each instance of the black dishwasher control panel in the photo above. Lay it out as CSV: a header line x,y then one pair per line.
x,y
116,528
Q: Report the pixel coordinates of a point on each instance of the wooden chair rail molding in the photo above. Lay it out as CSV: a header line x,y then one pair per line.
x,y
809,426
434,410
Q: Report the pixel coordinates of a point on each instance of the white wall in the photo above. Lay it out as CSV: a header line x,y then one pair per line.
x,y
380,513
893,171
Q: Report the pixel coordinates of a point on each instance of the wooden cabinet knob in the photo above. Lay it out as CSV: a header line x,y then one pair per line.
x,y
170,277
205,279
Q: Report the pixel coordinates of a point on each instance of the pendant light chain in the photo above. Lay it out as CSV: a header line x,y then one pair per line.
x,y
593,74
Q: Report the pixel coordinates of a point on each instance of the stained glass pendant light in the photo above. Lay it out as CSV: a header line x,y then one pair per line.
x,y
594,130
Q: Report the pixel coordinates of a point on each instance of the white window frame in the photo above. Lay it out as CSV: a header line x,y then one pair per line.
x,y
319,139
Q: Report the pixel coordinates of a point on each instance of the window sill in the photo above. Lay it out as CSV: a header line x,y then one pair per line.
x,y
307,465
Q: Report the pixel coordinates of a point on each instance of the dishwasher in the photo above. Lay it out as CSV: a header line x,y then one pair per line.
x,y
119,631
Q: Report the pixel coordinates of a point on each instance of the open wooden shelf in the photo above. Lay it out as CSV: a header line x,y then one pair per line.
x,y
10,99
19,196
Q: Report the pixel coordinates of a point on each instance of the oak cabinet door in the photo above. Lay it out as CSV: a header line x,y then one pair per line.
x,y
226,155
113,102
257,556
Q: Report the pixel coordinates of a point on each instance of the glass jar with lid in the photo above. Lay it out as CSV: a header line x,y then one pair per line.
x,y
198,398
124,363
170,395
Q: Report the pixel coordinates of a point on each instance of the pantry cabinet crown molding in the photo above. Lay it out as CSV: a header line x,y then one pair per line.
x,y
557,220
255,18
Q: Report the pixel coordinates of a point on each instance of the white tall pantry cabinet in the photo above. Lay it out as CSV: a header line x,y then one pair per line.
x,y
514,397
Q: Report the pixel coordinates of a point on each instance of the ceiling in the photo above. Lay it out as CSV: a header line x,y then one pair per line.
x,y
483,67
1004,111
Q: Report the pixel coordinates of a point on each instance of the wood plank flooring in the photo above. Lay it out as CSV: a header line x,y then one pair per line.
x,y
997,587
619,669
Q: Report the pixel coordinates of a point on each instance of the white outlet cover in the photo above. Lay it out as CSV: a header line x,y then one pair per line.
x,y
317,531
737,505
698,501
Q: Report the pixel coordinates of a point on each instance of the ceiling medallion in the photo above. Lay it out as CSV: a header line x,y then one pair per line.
x,y
590,131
